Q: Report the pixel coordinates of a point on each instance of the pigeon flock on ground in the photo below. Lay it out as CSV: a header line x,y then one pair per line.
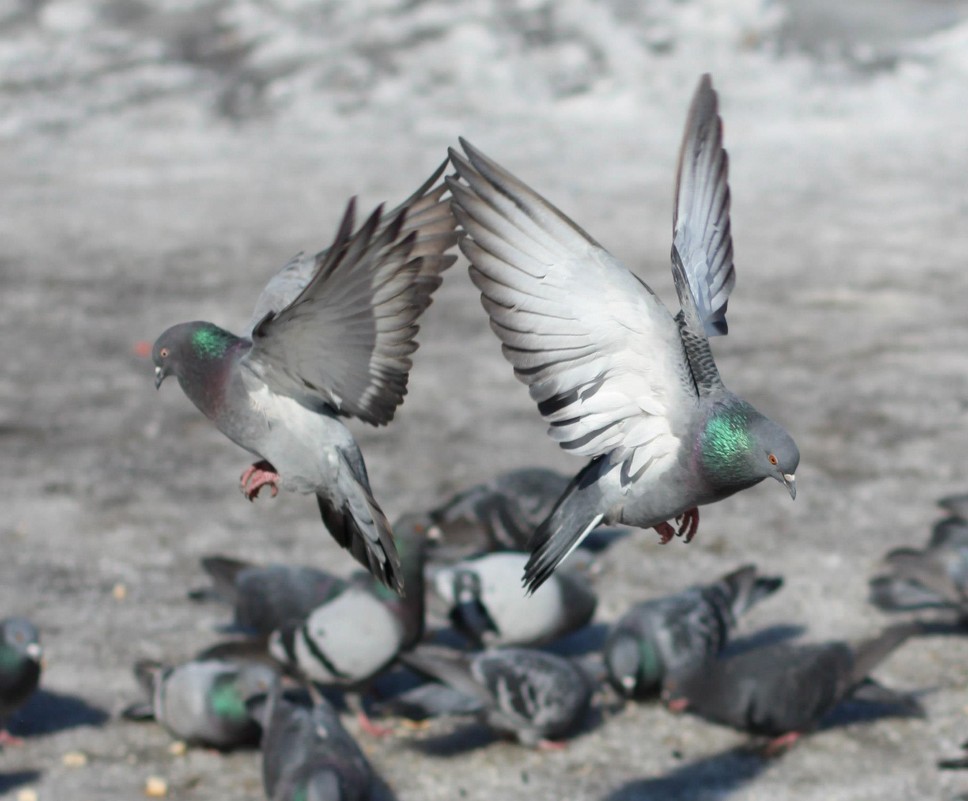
x,y
439,624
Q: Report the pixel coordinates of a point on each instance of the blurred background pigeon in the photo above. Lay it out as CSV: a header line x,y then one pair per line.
x,y
267,598
203,701
784,690
20,667
532,695
486,603
307,755
662,635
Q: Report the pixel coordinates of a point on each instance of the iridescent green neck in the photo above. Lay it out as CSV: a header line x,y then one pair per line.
x,y
726,442
227,702
650,665
9,657
211,342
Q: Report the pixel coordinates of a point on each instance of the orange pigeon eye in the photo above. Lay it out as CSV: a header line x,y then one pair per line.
x,y
773,459
164,355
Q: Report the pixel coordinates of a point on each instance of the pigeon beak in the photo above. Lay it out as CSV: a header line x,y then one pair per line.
x,y
791,484
34,651
159,377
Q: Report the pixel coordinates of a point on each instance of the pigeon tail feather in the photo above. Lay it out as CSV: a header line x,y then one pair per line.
x,y
572,519
870,653
223,570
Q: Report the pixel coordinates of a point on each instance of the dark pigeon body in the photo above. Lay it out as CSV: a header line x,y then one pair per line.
x,y
307,755
935,576
783,688
20,667
498,515
663,635
618,378
268,598
535,696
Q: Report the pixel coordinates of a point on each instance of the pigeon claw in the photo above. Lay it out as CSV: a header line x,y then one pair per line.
x,y
666,532
257,476
688,523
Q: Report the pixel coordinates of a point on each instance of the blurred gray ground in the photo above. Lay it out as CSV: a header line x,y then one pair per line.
x,y
159,161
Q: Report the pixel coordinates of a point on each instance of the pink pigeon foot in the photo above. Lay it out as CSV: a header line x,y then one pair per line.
x,y
256,477
371,728
780,744
551,745
7,740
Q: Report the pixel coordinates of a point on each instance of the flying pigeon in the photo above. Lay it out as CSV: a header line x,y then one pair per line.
x,y
537,697
203,701
331,336
662,635
20,665
307,755
935,576
487,605
784,690
618,377
267,598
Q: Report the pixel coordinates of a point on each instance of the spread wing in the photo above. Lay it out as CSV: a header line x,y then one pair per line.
x,y
700,225
600,353
339,328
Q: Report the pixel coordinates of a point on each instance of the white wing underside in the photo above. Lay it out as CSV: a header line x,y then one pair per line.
x,y
600,353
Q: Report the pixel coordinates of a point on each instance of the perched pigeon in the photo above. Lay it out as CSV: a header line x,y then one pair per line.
x,y
783,690
203,701
500,514
268,598
536,696
936,576
348,640
487,604
20,663
307,755
614,373
662,635
331,336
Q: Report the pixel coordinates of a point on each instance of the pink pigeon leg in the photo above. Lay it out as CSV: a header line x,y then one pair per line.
x,y
256,477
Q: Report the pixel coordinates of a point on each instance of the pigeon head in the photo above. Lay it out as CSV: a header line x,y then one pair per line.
x,y
187,348
739,447
20,643
634,665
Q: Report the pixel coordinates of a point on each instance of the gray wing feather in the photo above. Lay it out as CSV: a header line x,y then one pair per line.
x,y
571,319
701,229
345,338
